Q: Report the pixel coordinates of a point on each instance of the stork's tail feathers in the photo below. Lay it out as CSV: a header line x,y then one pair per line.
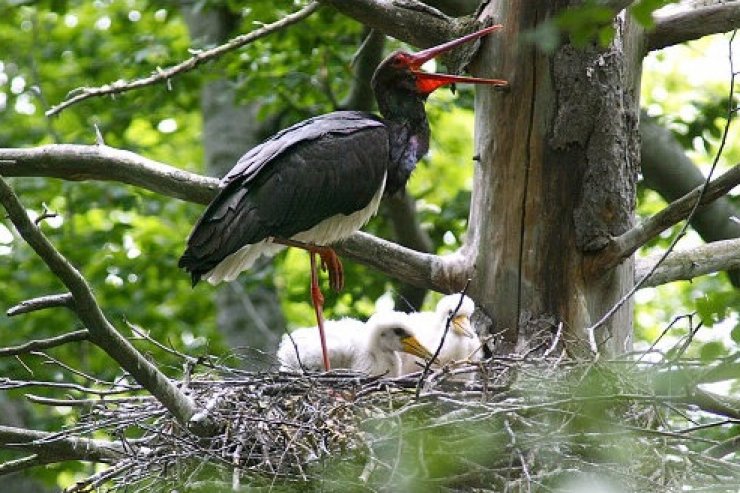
x,y
229,267
193,265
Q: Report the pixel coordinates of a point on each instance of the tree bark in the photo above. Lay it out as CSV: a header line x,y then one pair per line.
x,y
558,158
247,315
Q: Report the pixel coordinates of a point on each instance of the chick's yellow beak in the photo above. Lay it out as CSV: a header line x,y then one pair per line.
x,y
412,345
462,327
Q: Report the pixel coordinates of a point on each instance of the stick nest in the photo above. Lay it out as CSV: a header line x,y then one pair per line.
x,y
513,423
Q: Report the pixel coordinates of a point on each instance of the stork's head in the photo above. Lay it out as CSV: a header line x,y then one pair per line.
x,y
393,333
460,324
400,74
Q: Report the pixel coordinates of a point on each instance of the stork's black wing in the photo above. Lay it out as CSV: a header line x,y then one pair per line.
x,y
316,169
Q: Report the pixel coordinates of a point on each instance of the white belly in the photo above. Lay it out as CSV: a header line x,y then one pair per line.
x,y
326,232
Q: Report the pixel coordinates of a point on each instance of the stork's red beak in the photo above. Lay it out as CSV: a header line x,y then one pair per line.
x,y
426,82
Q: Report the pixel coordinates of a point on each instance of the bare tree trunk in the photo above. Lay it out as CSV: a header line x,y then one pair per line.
x,y
248,316
558,158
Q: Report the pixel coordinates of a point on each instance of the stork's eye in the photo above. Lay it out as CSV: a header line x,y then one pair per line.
x,y
399,332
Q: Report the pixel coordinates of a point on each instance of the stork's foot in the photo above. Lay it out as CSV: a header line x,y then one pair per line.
x,y
331,264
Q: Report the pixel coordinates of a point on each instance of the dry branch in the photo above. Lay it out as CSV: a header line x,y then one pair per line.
x,y
60,448
690,22
199,58
411,21
41,303
684,265
626,244
95,162
35,345
446,274
102,333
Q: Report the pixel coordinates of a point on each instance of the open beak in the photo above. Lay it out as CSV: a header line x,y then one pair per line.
x,y
427,82
412,345
462,327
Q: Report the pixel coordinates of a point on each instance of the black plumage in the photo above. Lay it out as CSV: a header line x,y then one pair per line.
x,y
321,178
318,168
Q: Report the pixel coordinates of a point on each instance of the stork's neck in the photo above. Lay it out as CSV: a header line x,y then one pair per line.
x,y
408,130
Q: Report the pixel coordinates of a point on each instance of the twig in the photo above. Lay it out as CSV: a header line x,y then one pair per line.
x,y
191,63
21,464
722,449
46,401
431,360
731,97
42,302
8,383
37,344
62,448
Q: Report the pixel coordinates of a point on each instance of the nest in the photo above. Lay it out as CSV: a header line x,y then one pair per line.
x,y
507,423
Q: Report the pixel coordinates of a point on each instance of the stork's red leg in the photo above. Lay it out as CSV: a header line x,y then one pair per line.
x,y
329,260
318,305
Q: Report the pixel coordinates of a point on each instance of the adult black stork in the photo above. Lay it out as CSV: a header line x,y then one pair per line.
x,y
322,179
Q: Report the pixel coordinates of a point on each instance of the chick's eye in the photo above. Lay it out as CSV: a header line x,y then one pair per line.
x,y
399,331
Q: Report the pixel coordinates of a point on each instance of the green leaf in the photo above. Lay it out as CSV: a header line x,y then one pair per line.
x,y
711,351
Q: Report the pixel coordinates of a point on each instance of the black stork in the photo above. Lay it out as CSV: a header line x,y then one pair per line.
x,y
321,179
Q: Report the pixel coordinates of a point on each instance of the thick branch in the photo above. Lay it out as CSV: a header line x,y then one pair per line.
x,y
94,162
692,22
51,445
102,333
688,264
408,20
199,58
626,244
446,274
36,345
42,302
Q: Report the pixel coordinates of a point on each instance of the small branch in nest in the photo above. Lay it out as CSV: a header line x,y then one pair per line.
x,y
46,401
42,302
21,464
9,383
121,86
431,360
38,344
722,449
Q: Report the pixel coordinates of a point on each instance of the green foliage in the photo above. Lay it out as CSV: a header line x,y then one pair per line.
x,y
126,241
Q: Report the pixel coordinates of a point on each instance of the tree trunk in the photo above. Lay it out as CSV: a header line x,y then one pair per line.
x,y
557,160
247,316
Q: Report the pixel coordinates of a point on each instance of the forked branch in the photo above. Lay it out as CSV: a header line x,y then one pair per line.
x,y
102,332
627,243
